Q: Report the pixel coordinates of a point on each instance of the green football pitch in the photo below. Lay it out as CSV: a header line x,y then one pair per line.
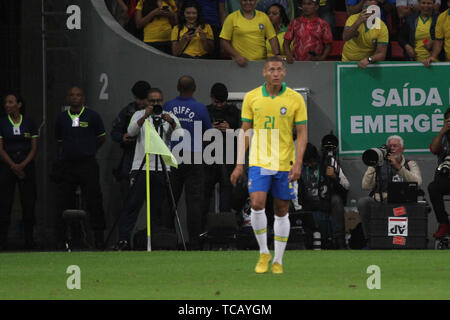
x,y
226,275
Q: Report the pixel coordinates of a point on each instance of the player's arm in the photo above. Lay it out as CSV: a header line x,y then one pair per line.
x,y
243,143
302,139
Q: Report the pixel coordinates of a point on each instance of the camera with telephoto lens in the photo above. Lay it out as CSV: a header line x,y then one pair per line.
x,y
444,168
157,118
376,156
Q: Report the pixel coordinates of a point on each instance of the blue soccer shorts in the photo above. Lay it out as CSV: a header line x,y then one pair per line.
x,y
260,179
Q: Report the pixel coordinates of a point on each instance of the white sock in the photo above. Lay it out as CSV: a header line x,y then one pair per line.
x,y
259,225
281,228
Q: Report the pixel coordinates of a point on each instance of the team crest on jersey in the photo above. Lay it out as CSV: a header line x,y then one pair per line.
x,y
261,26
283,110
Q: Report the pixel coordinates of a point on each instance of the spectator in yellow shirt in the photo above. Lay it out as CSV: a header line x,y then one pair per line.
x,y
442,38
418,32
280,22
244,34
365,40
192,37
157,17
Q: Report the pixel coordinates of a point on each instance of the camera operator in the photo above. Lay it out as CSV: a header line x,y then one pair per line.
x,y
322,187
165,123
394,168
440,186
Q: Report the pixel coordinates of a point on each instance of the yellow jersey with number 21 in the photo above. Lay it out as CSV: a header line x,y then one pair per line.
x,y
273,119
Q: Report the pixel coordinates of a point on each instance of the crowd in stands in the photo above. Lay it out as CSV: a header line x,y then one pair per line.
x,y
303,30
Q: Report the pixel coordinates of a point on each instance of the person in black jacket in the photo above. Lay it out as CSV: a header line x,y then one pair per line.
x,y
418,32
224,116
120,135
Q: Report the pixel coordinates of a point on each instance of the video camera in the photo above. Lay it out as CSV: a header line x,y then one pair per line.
x,y
376,156
444,168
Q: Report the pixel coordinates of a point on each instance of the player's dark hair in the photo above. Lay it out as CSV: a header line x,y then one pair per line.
x,y
276,59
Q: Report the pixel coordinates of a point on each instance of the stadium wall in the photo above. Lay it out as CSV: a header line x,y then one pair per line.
x,y
112,60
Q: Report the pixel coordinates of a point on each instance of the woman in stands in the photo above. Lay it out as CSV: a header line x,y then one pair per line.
x,y
192,37
418,32
280,21
157,17
18,147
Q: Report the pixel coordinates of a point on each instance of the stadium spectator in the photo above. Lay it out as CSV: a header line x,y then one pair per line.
x,y
119,134
157,17
395,168
311,35
80,133
440,146
418,32
192,37
280,22
214,13
442,38
364,43
190,173
244,34
126,16
326,12
165,123
386,7
407,7
289,6
224,116
18,147
322,187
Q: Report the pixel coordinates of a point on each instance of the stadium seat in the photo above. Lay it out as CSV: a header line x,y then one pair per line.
x,y
397,51
340,18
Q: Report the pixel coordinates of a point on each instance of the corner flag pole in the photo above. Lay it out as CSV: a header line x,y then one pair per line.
x,y
149,244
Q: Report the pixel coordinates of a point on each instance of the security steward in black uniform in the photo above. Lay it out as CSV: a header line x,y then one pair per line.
x,y
18,147
80,133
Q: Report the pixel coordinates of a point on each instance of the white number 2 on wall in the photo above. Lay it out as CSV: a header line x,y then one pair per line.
x,y
103,94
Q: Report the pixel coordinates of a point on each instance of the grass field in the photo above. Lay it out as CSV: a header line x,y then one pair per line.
x,y
225,275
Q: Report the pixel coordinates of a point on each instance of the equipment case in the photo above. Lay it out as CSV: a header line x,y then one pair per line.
x,y
398,226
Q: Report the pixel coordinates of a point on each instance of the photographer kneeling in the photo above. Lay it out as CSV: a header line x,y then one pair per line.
x,y
165,123
440,186
394,168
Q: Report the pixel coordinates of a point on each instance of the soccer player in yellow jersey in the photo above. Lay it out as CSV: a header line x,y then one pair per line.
x,y
272,111
364,42
442,38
